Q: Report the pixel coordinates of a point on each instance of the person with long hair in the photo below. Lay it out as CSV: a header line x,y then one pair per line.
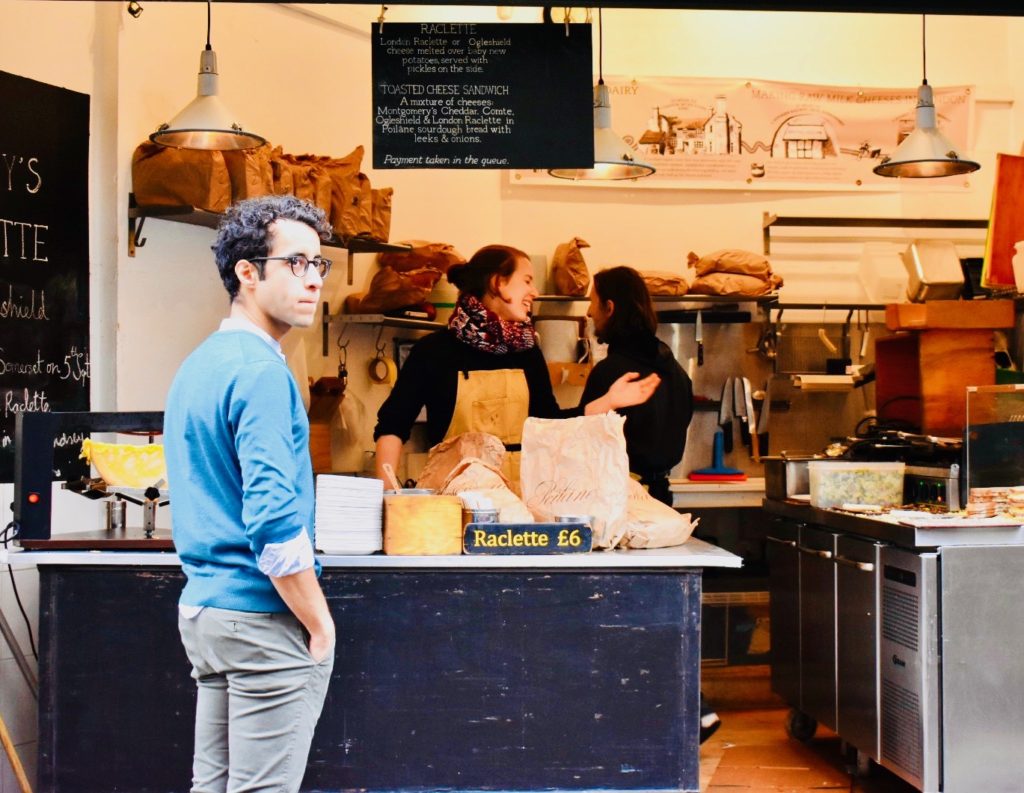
x,y
624,318
655,430
485,372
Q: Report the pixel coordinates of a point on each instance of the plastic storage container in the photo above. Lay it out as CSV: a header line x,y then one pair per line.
x,y
834,484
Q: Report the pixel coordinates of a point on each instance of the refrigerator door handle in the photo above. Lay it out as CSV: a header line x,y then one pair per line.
x,y
867,567
815,552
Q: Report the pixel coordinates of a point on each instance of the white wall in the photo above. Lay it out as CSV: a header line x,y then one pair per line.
x,y
304,83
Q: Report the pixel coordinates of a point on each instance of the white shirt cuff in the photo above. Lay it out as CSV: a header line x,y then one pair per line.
x,y
287,558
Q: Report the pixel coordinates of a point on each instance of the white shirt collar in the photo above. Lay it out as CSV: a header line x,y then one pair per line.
x,y
241,323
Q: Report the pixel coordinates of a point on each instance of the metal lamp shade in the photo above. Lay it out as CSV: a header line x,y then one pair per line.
x,y
613,158
925,153
206,123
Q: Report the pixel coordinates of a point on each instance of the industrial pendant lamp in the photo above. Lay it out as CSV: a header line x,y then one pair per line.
x,y
613,158
925,152
206,123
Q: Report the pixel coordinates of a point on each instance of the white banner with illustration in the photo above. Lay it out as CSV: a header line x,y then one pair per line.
x,y
756,134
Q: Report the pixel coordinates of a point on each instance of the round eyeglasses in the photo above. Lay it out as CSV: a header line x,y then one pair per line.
x,y
299,263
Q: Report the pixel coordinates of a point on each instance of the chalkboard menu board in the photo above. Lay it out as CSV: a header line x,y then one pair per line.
x,y
44,260
468,95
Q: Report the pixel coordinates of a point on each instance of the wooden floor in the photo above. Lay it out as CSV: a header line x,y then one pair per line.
x,y
751,753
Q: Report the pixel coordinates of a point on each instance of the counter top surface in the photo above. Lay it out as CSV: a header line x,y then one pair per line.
x,y
694,553
888,529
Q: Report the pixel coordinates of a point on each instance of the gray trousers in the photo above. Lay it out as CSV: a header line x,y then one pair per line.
x,y
260,695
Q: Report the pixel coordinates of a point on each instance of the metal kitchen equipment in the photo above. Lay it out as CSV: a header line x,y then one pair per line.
x,y
786,475
35,436
934,270
934,485
925,677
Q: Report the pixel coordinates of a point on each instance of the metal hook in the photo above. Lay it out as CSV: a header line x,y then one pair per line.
x,y
380,344
380,20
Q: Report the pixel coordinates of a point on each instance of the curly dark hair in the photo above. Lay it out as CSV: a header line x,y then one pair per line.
x,y
243,233
474,277
634,311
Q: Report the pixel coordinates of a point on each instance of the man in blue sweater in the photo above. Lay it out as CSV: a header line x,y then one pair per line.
x,y
253,619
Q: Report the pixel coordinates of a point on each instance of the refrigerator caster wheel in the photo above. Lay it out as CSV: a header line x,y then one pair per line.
x,y
800,726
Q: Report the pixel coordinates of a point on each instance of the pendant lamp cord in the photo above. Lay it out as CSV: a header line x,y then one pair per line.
x,y
209,5
600,48
924,54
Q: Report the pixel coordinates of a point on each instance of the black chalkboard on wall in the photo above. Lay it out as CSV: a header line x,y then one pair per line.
x,y
44,260
472,95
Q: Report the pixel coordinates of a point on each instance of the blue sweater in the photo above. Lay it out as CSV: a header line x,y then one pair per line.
x,y
236,440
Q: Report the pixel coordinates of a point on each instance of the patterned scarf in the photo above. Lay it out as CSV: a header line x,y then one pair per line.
x,y
481,329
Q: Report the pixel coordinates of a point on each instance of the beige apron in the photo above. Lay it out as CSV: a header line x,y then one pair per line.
x,y
494,401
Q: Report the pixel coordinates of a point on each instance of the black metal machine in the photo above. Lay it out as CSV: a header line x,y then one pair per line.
x,y
36,436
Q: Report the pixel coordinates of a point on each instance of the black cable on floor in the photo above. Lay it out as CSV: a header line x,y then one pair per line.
x,y
9,533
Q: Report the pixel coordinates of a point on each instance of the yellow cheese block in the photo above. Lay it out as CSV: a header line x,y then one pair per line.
x,y
422,525
127,465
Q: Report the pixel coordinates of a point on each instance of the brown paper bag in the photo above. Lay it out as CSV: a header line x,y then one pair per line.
x,y
390,290
731,260
352,208
380,224
577,466
250,172
174,177
310,181
436,255
484,487
568,270
734,284
661,283
652,524
444,457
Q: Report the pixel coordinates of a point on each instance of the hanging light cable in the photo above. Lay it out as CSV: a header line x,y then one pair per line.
x,y
206,123
613,158
925,152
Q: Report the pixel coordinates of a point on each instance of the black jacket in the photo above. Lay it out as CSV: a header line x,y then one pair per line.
x,y
656,430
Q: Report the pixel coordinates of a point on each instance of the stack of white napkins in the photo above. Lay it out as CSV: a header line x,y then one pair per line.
x,y
348,514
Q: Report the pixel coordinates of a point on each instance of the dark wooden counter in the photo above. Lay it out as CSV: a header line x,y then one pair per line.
x,y
457,679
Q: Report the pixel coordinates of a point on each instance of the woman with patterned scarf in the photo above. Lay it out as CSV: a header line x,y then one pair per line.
x,y
485,371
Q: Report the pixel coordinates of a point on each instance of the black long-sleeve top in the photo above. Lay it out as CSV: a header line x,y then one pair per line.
x,y
655,430
430,375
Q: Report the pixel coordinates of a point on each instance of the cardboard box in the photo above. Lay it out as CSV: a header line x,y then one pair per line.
x,y
950,315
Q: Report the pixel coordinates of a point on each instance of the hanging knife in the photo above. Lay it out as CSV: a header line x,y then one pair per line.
x,y
700,341
739,407
725,414
762,420
748,402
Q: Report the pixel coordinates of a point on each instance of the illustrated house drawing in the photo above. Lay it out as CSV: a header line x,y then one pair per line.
x,y
722,131
804,137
